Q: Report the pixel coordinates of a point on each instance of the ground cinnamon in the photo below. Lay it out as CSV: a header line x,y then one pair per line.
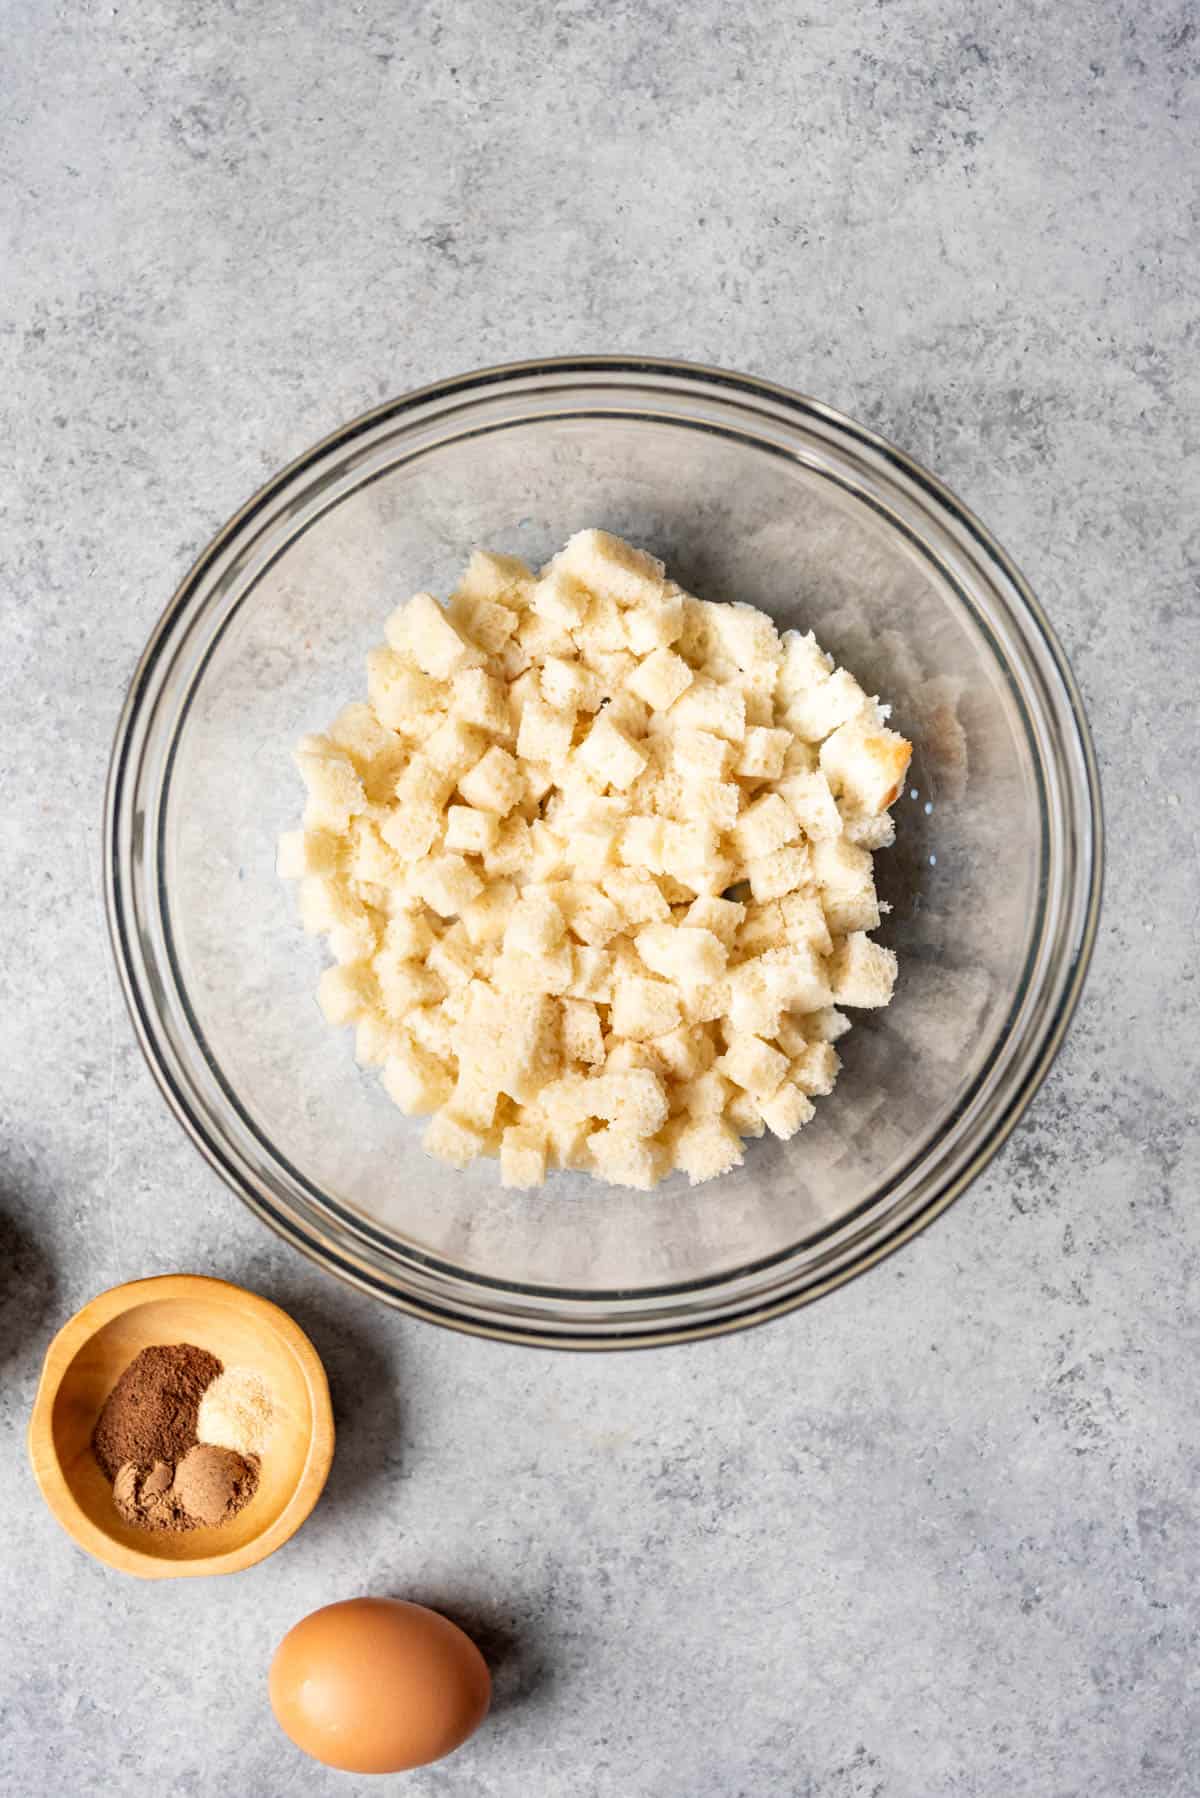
x,y
150,1414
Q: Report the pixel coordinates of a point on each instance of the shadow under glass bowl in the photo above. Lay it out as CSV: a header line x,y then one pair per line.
x,y
748,492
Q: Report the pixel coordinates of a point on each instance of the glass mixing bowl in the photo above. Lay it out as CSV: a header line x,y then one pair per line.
x,y
749,492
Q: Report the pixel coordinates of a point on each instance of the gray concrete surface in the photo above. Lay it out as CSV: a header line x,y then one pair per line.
x,y
937,1536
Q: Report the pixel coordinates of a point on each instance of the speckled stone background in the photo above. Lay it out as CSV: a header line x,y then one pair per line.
x,y
937,1535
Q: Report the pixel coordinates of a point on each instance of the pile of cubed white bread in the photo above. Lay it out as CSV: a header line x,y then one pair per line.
x,y
594,861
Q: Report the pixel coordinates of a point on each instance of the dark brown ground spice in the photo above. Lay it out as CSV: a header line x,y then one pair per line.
x,y
150,1414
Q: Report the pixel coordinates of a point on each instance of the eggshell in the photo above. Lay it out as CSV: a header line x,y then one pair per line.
x,y
377,1685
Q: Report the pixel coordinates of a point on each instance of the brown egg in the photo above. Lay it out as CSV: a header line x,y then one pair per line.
x,y
376,1685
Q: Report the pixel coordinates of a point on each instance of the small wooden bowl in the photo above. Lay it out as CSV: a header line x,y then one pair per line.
x,y
83,1364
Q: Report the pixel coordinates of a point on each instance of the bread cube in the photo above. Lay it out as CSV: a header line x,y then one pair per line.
x,y
706,1001
626,1160
763,929
545,734
560,598
446,883
381,773
522,1158
804,922
686,849
621,1054
707,1095
786,1111
635,896
435,645
376,1036
472,1102
825,1025
643,1007
432,1028
407,936
581,1035
591,975
518,972
607,564
398,690
845,878
772,876
805,665
761,753
477,698
862,973
593,917
745,635
820,710
869,833
510,1041
629,714
423,785
681,1054
764,827
866,765
535,925
721,916
358,731
712,707
405,984
355,936
795,975
757,687
446,1139
634,1100
302,852
494,784
514,660
681,953
653,624
511,853
369,859
485,919
609,756
452,958
754,1006
790,1039
335,791
753,1065
347,992
590,854
705,1148
613,667
453,748
484,622
547,853
415,1080
323,898
469,832
815,1069
660,679
411,830
700,756
810,800
742,1114
570,686
718,804
540,637
491,576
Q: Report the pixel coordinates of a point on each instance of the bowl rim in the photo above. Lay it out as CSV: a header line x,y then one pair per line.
x,y
55,1489
1082,793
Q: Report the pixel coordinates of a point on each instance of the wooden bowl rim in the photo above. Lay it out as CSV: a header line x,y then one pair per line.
x,y
52,1482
